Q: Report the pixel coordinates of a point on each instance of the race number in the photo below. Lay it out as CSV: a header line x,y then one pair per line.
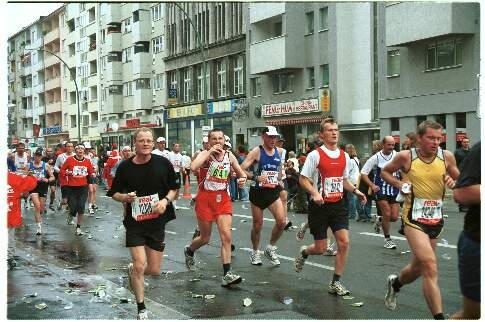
x,y
143,208
428,212
272,180
79,171
333,187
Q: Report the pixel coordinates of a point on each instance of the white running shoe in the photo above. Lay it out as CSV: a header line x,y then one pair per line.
x,y
271,255
390,301
142,315
39,230
79,232
389,244
300,260
189,260
300,233
231,278
337,288
255,257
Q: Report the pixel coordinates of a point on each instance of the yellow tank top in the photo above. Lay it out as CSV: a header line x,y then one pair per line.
x,y
427,179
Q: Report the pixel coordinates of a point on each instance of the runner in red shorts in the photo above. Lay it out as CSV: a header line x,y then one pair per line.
x,y
213,202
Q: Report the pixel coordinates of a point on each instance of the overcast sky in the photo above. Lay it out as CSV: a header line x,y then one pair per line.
x,y
19,15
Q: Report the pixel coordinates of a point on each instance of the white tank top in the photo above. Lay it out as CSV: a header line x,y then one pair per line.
x,y
21,162
218,173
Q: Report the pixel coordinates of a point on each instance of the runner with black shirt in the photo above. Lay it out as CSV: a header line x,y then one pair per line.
x,y
147,184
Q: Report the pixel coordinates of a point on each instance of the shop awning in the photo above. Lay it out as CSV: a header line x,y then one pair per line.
x,y
296,120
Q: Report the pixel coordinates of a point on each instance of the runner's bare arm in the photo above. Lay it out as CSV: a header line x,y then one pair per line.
x,y
307,185
202,156
349,187
451,168
241,174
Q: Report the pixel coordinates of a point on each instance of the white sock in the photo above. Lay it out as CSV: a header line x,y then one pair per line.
x,y
270,247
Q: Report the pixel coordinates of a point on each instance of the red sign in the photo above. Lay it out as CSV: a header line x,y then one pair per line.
x,y
460,137
133,123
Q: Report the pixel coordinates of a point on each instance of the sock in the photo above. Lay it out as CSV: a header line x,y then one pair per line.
x,y
39,224
305,255
141,306
190,251
396,285
270,247
439,316
226,268
387,236
336,278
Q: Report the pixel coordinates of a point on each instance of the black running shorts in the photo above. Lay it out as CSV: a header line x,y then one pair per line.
x,y
329,214
151,238
263,197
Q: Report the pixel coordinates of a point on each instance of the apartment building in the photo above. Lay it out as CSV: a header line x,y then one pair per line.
x,y
308,61
432,61
218,27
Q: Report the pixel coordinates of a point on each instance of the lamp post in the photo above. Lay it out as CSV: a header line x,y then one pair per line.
x,y
77,91
204,66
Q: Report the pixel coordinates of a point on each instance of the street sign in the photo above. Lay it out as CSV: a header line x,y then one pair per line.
x,y
172,96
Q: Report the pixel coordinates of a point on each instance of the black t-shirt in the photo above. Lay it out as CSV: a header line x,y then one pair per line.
x,y
155,176
469,176
460,155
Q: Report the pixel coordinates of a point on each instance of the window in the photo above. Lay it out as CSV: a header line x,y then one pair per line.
x,y
444,54
393,63
311,77
238,76
126,55
460,120
325,73
309,23
156,12
283,83
420,119
221,78
65,95
126,25
220,30
85,120
255,86
128,89
323,18
278,29
394,124
142,83
157,44
200,81
173,80
158,82
187,85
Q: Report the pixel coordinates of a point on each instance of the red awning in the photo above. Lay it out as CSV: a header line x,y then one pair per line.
x,y
297,120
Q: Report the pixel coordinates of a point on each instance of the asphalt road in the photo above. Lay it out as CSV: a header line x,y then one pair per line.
x,y
72,274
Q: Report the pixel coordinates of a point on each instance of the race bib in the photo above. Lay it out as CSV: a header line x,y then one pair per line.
x,y
79,171
428,212
143,208
333,187
38,173
176,165
218,172
272,178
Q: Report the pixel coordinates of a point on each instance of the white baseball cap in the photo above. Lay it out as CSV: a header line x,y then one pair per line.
x,y
228,144
205,139
270,130
161,139
87,145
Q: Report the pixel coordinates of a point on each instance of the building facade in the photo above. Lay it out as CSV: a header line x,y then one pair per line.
x,y
432,60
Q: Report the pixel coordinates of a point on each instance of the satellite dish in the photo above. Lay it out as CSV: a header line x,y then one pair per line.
x,y
115,127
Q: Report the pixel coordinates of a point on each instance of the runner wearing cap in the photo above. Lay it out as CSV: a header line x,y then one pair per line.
x,y
175,158
92,186
264,193
69,151
161,149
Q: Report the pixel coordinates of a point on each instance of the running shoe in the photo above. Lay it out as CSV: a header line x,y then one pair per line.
x,y
389,244
390,301
91,211
330,252
255,257
59,206
300,260
51,207
289,224
231,278
79,232
337,288
142,315
300,233
271,255
70,219
129,271
39,231
196,233
189,260
95,207
377,225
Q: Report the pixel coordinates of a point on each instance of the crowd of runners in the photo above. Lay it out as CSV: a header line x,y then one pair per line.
x,y
328,182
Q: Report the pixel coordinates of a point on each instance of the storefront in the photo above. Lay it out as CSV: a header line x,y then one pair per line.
x,y
51,136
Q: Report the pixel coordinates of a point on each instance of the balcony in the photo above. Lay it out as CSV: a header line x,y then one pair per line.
x,y
28,91
262,11
408,22
142,98
21,113
39,88
142,65
113,104
26,70
141,30
113,41
29,113
275,54
53,107
113,13
52,83
52,35
113,71
50,60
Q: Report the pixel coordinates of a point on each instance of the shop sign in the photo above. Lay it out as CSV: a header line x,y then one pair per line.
x,y
205,130
325,100
185,111
52,130
222,106
133,123
172,96
295,107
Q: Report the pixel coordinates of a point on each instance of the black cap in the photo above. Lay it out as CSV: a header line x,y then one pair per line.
x,y
38,151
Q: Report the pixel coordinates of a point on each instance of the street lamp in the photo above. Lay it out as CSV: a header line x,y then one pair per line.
x,y
204,66
77,90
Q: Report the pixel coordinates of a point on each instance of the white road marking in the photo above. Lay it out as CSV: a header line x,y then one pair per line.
x,y
292,260
404,238
251,217
170,232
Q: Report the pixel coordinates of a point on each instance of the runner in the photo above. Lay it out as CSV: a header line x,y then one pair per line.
x,y
147,184
43,172
384,193
213,202
21,158
50,159
264,193
69,147
326,208
77,169
429,169
92,185
161,150
175,157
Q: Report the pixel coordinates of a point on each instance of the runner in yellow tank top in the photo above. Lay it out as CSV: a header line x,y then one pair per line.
x,y
428,170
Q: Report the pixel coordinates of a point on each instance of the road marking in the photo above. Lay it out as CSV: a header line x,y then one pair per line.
x,y
170,232
404,238
182,207
292,260
251,217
